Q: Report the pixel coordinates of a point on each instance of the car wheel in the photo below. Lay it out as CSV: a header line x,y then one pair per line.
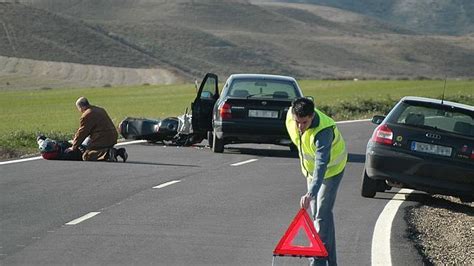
x,y
369,186
293,148
466,199
210,137
381,185
217,144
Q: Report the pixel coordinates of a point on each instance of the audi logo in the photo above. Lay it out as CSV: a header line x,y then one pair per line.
x,y
433,136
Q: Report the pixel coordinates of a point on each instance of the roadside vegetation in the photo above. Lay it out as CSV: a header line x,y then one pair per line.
x,y
26,113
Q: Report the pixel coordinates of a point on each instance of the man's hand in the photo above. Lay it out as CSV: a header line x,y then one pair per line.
x,y
305,200
68,150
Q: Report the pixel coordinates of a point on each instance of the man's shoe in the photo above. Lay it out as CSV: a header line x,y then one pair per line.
x,y
122,153
112,155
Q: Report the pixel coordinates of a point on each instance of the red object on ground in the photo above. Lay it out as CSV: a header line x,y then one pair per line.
x,y
51,155
286,247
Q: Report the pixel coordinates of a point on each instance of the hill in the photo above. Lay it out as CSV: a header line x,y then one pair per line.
x,y
67,52
194,37
452,17
37,34
19,73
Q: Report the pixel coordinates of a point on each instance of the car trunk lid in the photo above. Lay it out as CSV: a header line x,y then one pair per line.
x,y
431,142
258,109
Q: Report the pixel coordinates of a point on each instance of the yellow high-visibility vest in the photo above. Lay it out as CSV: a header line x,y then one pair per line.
x,y
307,147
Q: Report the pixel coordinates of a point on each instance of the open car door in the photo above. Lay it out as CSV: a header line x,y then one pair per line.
x,y
203,105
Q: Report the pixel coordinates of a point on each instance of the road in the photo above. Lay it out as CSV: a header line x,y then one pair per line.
x,y
179,206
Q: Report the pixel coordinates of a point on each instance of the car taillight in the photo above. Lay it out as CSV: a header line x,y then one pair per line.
x,y
472,154
225,111
383,135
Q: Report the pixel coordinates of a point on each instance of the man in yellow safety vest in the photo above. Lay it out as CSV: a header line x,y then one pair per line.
x,y
323,158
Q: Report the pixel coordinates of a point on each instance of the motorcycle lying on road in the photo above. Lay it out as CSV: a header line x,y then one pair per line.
x,y
171,130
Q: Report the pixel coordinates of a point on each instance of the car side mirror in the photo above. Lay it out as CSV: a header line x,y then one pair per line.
x,y
378,119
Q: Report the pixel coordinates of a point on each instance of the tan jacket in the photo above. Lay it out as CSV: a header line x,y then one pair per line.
x,y
96,123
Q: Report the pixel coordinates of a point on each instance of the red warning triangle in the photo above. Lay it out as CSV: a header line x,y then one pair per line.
x,y
286,247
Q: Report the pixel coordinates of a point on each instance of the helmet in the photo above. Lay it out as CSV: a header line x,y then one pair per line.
x,y
46,145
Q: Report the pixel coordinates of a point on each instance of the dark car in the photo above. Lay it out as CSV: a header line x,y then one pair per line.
x,y
250,109
423,144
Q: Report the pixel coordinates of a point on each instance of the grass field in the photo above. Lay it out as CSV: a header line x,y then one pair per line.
x,y
25,113
333,92
54,109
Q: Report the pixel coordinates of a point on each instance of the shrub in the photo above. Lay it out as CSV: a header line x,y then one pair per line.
x,y
421,78
465,99
358,108
366,108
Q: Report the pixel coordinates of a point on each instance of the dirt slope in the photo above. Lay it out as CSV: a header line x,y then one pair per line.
x,y
191,38
17,73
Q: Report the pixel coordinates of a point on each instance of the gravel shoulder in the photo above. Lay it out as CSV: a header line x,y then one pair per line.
x,y
442,229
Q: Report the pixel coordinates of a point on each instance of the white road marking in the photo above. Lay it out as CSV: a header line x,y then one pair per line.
x,y
167,184
39,157
381,253
83,218
244,162
130,142
21,160
352,121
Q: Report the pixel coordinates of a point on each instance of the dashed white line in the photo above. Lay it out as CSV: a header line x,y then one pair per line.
x,y
83,218
130,142
244,162
167,184
381,254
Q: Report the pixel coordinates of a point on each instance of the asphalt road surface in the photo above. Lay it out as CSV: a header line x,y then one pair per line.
x,y
182,206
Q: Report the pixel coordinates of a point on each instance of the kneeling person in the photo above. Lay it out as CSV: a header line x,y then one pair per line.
x,y
96,124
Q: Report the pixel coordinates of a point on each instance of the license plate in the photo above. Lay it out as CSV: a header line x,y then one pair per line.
x,y
431,148
263,113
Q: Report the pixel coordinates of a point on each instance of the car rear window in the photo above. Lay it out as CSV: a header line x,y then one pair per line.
x,y
268,89
441,117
